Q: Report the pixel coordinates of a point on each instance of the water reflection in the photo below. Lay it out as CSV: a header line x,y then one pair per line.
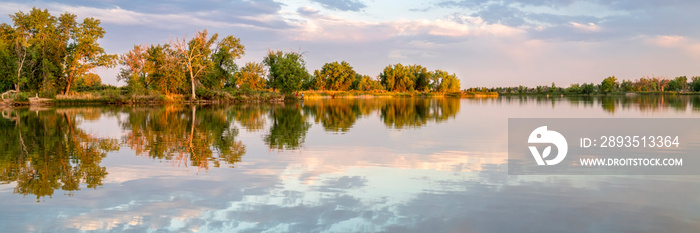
x,y
288,128
340,115
45,150
644,103
187,135
327,166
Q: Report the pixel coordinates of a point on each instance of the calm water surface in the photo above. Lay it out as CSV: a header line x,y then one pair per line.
x,y
347,165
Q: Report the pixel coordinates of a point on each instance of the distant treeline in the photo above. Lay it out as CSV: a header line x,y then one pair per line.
x,y
48,55
608,85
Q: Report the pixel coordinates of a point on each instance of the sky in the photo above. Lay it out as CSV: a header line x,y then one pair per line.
x,y
485,43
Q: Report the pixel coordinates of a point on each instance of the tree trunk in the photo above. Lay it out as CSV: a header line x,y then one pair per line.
x,y
192,79
67,87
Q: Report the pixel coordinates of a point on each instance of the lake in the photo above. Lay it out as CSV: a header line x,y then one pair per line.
x,y
325,165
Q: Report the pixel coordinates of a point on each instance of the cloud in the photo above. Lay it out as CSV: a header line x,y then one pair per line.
x,y
319,27
588,20
589,27
241,14
501,14
307,11
342,5
682,43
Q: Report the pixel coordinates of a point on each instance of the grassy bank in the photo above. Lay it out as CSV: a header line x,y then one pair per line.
x,y
203,96
409,94
119,96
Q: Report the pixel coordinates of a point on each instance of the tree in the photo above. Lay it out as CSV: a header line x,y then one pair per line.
x,y
334,76
678,84
223,68
683,82
45,50
6,62
134,72
163,70
47,53
695,83
20,37
194,55
84,53
627,86
573,88
252,75
609,84
396,78
587,88
366,83
287,70
444,82
89,80
405,80
420,77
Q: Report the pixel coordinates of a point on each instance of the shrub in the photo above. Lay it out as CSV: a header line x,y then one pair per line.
x,y
21,97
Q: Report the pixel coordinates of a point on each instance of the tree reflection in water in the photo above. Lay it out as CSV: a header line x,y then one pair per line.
x,y
340,115
45,151
288,128
186,135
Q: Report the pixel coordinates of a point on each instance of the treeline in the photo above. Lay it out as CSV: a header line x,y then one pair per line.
x,y
209,64
608,85
48,54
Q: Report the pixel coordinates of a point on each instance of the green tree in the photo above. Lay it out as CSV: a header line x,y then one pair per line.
x,y
695,83
420,78
252,76
444,82
396,78
84,53
367,83
609,84
287,71
587,89
20,37
678,84
573,88
6,62
224,67
47,53
334,76
163,70
627,86
45,49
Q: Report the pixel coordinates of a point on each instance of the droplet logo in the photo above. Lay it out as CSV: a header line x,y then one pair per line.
x,y
542,135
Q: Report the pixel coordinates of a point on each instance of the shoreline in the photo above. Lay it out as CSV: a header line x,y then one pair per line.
x,y
90,98
94,98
